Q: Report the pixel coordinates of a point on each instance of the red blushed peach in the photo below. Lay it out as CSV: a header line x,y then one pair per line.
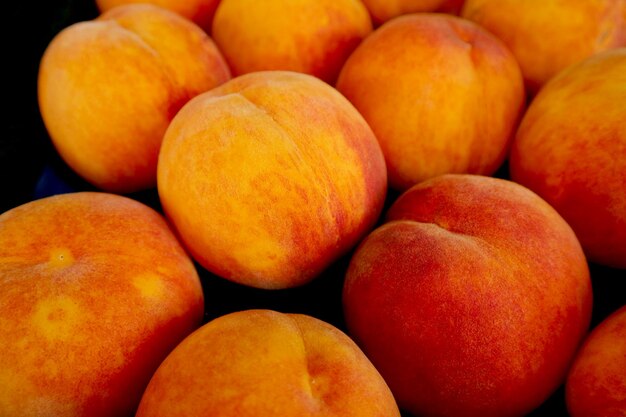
x,y
261,363
109,88
200,12
383,10
270,178
471,300
546,36
441,94
95,291
309,36
571,150
596,384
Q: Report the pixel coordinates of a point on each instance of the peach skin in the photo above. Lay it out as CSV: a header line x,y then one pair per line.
x,y
270,178
441,94
201,12
310,36
596,384
471,300
546,36
571,150
95,291
109,88
383,10
260,363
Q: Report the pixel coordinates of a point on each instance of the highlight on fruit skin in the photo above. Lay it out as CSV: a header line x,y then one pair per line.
x,y
261,363
571,147
108,89
471,300
270,178
95,291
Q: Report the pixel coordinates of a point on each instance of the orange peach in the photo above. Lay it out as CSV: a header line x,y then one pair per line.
x,y
260,363
309,36
270,178
383,10
109,88
596,384
471,300
95,291
571,150
441,94
546,36
200,12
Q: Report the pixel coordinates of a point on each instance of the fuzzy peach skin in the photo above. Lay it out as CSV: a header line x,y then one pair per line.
x,y
471,300
270,178
309,36
260,363
441,94
108,89
546,36
383,10
200,12
95,291
571,150
596,384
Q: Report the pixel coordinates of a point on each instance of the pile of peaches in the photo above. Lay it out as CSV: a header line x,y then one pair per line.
x,y
285,135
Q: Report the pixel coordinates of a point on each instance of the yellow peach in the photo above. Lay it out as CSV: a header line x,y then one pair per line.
x,y
571,150
270,177
109,88
261,363
309,36
546,36
441,94
95,291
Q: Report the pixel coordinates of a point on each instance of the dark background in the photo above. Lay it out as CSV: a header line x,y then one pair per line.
x,y
30,168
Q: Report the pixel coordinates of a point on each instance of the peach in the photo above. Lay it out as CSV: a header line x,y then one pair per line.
x,y
471,300
270,178
109,88
546,36
310,36
200,12
441,94
571,150
383,10
260,363
95,291
596,384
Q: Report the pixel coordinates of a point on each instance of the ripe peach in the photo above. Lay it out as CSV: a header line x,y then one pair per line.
x,y
260,363
309,36
441,94
383,10
109,88
596,384
270,177
95,291
471,300
200,12
546,36
571,150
